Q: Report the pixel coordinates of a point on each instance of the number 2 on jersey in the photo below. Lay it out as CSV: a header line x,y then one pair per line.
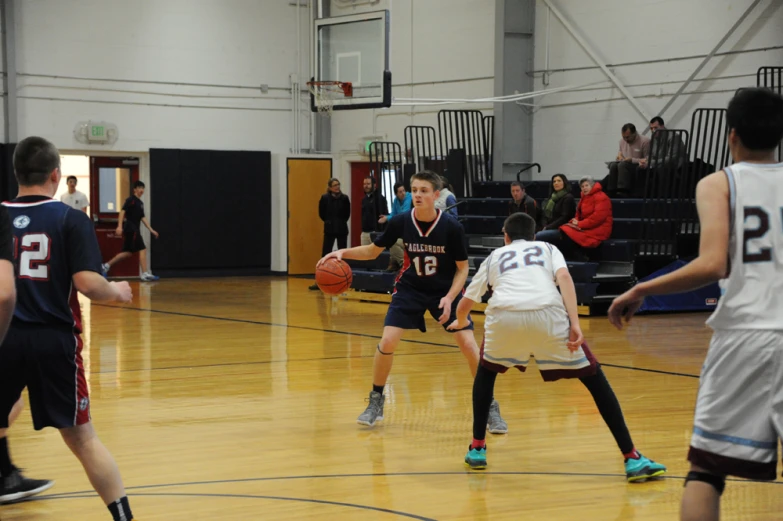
x,y
761,254
34,256
530,259
430,266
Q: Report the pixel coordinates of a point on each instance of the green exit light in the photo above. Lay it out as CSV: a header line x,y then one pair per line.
x,y
97,131
367,146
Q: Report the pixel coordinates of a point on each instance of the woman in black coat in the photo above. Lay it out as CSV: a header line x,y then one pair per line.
x,y
558,209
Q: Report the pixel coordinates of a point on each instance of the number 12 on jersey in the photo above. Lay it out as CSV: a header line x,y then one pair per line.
x,y
426,267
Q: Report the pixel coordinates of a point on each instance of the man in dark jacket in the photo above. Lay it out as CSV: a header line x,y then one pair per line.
x,y
373,207
334,209
521,202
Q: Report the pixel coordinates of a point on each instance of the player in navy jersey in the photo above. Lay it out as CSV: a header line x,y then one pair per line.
x,y
129,226
13,485
56,253
432,279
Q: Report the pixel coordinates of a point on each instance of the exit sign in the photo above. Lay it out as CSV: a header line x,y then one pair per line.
x,y
98,133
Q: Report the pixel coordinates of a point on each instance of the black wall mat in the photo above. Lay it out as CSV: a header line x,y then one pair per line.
x,y
212,209
8,185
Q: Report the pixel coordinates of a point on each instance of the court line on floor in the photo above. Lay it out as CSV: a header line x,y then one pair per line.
x,y
77,495
349,333
92,493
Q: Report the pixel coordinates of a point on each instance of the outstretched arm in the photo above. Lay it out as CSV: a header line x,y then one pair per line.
x,y
367,252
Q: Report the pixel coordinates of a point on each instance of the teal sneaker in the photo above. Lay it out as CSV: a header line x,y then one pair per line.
x,y
476,458
642,469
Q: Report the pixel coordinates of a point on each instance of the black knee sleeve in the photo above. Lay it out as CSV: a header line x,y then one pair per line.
x,y
378,347
718,482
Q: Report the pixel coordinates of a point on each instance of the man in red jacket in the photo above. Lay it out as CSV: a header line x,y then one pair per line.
x,y
593,222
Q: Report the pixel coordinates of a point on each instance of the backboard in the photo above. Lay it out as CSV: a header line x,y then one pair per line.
x,y
354,48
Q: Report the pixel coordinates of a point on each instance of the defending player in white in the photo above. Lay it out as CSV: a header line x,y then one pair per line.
x,y
527,316
739,409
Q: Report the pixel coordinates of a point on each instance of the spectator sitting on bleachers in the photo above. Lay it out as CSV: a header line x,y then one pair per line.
x,y
447,199
559,208
521,202
593,222
624,170
669,151
400,204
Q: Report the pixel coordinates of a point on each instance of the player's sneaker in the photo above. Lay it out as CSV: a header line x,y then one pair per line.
x,y
149,277
476,458
642,469
105,269
16,487
374,410
496,424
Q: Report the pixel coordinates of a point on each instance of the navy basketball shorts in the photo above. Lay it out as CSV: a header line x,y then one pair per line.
x,y
132,242
48,361
408,307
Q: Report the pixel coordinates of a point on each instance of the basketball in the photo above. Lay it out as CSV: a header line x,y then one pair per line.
x,y
333,276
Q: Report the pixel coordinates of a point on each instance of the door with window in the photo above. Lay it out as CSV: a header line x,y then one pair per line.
x,y
111,181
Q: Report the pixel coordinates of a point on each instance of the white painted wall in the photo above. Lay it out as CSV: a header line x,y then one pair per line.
x,y
439,48
170,74
576,132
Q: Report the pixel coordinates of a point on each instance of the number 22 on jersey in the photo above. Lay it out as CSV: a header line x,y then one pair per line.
x,y
530,257
34,256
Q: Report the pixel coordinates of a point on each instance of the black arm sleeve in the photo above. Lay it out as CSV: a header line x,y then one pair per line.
x,y
83,251
6,238
456,245
393,231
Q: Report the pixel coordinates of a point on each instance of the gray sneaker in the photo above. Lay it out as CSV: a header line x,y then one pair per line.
x,y
374,410
496,424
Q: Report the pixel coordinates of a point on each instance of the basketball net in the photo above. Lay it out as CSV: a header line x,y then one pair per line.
x,y
325,93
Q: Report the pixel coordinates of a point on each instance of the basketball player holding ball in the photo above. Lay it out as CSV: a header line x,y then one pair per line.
x,y
432,279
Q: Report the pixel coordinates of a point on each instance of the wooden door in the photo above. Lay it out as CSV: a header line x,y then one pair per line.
x,y
307,180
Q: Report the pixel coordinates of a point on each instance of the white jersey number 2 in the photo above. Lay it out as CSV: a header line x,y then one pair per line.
x,y
34,256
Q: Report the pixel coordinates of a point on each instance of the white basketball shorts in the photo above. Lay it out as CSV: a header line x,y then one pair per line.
x,y
739,409
511,337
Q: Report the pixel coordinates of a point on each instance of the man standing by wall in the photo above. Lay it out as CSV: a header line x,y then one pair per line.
x,y
74,198
373,205
334,209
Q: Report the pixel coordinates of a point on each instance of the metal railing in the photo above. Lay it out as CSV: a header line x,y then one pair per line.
x,y
463,141
772,78
421,149
666,169
386,166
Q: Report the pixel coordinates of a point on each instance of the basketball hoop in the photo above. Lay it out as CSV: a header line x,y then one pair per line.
x,y
325,93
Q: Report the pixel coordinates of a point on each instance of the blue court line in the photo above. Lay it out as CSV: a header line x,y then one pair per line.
x,y
77,495
307,328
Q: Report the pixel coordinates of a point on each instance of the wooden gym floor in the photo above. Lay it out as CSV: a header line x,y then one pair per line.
x,y
236,399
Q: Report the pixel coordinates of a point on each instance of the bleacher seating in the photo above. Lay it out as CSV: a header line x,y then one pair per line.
x,y
609,272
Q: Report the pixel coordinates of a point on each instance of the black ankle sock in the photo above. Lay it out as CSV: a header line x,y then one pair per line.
x,y
120,510
5,458
483,390
610,410
377,388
